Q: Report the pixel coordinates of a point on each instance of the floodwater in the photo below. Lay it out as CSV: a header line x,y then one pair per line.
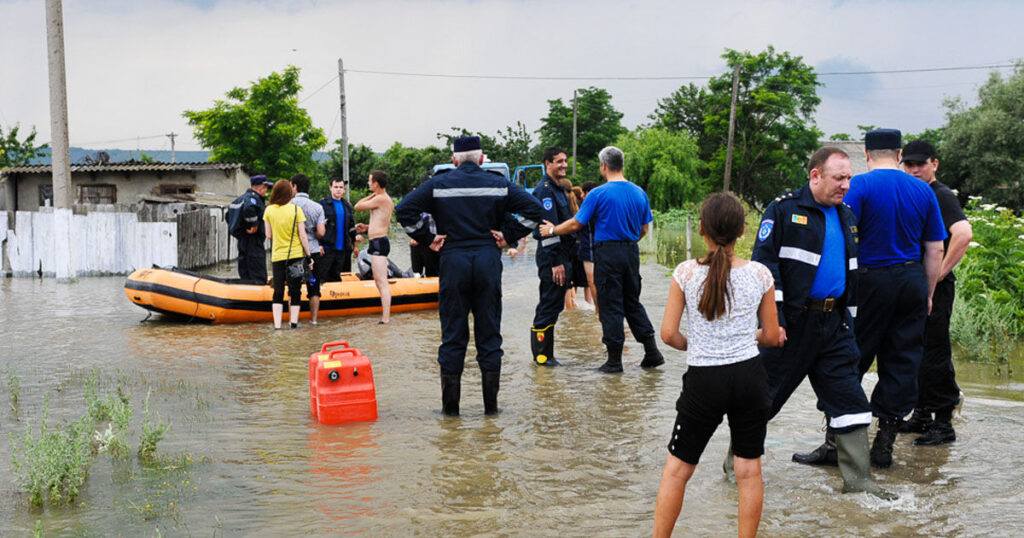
x,y
574,452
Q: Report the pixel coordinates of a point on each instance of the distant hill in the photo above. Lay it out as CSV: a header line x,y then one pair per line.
x,y
78,155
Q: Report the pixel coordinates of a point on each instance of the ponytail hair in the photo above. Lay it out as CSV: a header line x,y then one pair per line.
x,y
721,220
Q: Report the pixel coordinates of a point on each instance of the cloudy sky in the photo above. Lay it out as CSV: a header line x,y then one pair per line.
x,y
134,66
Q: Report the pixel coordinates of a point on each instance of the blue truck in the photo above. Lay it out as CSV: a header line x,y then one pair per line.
x,y
526,176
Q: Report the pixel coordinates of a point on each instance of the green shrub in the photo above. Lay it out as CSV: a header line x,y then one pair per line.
x,y
53,465
151,434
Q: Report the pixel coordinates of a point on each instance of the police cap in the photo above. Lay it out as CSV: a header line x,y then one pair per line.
x,y
466,143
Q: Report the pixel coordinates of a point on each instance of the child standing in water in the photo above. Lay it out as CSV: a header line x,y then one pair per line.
x,y
723,296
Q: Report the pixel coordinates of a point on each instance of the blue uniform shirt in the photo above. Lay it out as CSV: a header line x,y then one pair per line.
x,y
619,210
896,214
830,278
339,239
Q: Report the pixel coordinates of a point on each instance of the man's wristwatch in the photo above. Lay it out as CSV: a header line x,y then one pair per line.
x,y
551,230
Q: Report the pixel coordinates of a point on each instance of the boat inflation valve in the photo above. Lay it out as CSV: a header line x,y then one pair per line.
x,y
333,375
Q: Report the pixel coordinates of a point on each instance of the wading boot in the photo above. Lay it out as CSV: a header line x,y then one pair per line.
x,y
614,363
652,357
881,449
855,467
542,344
450,392
917,423
823,455
940,431
490,382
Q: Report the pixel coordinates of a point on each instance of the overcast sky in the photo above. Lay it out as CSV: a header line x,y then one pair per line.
x,y
134,66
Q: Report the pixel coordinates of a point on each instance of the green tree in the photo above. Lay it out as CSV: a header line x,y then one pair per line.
x,y
361,161
775,130
262,126
14,152
841,137
982,150
666,165
597,125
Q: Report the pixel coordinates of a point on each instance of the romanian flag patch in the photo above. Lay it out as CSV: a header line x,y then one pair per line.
x,y
800,219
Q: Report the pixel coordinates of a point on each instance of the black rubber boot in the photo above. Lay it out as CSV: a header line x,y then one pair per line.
x,y
823,455
940,431
542,344
490,381
854,464
614,363
450,392
652,357
917,423
881,449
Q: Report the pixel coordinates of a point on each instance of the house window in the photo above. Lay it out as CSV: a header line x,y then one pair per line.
x,y
170,189
97,194
46,195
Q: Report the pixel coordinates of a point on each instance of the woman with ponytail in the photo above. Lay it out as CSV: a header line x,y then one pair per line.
x,y
726,296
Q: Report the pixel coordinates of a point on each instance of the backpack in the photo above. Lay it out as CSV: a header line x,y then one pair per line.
x,y
236,227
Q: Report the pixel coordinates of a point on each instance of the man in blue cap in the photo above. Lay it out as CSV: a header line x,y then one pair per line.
x,y
473,210
248,229
554,255
621,212
899,258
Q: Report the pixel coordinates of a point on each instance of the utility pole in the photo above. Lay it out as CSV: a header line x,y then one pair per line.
x,y
574,134
171,135
732,126
61,153
344,130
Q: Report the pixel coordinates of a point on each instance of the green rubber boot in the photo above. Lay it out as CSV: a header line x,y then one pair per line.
x,y
855,464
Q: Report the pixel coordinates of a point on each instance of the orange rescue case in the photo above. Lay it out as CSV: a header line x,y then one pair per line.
x,y
341,385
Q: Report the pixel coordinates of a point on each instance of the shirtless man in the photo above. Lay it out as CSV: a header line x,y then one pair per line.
x,y
380,206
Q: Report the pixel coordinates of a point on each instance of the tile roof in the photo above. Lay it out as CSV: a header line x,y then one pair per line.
x,y
124,167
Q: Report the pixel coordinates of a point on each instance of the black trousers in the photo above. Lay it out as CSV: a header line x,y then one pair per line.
x,y
252,259
617,278
552,296
470,283
820,346
890,325
332,263
423,260
937,378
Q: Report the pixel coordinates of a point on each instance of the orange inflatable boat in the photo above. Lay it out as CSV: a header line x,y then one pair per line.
x,y
194,296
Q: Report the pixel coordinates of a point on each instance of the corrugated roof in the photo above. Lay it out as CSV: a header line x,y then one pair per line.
x,y
124,167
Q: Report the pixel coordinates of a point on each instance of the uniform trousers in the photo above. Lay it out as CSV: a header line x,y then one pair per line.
x,y
820,346
328,267
552,297
470,282
252,259
617,278
937,378
890,325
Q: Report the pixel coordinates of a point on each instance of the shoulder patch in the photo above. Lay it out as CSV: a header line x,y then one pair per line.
x,y
547,204
799,219
765,230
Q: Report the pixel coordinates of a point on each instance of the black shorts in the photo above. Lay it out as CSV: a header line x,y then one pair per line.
x,y
739,391
379,246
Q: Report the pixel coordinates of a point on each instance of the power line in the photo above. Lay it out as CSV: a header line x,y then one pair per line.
x,y
132,139
672,77
322,86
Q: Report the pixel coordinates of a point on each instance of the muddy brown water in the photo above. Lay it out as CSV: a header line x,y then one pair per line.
x,y
574,452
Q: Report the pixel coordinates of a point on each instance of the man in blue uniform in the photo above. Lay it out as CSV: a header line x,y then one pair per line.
x,y
621,212
939,393
808,240
899,258
252,254
554,255
472,209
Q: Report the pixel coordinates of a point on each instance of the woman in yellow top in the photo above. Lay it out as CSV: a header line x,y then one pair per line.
x,y
283,223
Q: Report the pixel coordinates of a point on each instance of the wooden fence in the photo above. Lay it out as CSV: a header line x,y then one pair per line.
x,y
115,243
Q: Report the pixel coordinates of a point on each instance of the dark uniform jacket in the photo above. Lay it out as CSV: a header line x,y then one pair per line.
x,y
252,213
331,226
467,203
789,242
553,251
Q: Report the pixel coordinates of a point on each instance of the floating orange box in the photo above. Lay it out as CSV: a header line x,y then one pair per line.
x,y
316,357
343,388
